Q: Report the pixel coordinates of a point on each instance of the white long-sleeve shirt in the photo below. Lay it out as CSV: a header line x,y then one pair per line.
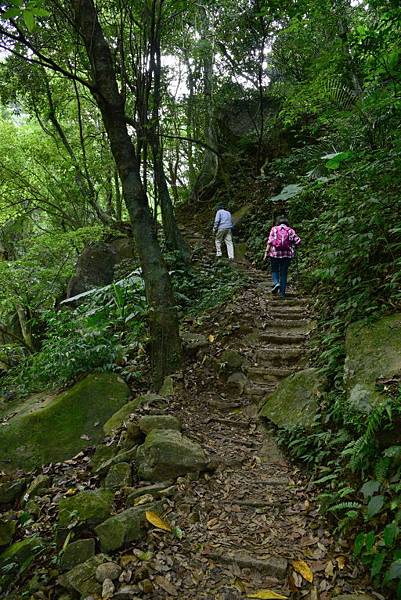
x,y
223,220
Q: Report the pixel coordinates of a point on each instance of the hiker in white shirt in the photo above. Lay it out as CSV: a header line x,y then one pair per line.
x,y
223,224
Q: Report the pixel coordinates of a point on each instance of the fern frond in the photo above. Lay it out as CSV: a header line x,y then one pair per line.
x,y
344,506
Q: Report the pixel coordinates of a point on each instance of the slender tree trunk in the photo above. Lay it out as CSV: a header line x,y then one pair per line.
x,y
174,239
25,328
165,342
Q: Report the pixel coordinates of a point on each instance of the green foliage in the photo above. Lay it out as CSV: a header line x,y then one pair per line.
x,y
101,334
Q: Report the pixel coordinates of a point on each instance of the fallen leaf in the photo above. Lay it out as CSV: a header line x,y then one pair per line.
x,y
266,595
341,560
211,338
303,569
71,492
329,570
158,522
85,437
143,499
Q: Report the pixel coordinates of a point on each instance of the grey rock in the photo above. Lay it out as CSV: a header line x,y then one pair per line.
x,y
167,388
192,342
237,382
118,476
77,552
82,577
107,589
11,490
108,570
7,530
150,422
231,361
37,486
153,490
125,527
123,456
169,454
90,507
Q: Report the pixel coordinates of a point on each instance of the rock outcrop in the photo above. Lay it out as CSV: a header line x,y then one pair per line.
x,y
373,354
295,400
53,428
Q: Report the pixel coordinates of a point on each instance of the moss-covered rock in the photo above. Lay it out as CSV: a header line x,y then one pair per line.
x,y
56,428
11,490
77,552
167,454
123,456
7,530
89,507
150,422
231,361
20,551
373,353
37,486
122,415
295,400
127,526
82,577
167,388
102,454
119,476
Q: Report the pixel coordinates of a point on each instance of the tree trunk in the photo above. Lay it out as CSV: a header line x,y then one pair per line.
x,y
174,239
166,352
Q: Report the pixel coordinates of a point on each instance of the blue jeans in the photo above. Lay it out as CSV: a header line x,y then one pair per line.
x,y
279,272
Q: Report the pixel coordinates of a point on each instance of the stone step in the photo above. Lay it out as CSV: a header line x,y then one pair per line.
x,y
303,324
288,314
291,300
284,356
283,338
259,391
269,374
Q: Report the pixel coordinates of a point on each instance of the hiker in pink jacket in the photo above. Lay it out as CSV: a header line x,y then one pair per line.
x,y
280,248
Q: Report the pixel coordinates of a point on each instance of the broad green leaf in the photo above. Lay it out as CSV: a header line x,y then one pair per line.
x,y
375,505
390,534
369,488
377,564
29,19
394,572
359,543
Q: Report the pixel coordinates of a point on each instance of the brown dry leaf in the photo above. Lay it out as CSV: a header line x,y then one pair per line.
x,y
143,500
329,570
341,560
166,585
71,492
157,521
303,569
266,595
211,338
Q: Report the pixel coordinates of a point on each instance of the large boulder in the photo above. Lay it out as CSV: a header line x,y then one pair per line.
x,y
295,400
95,267
54,428
82,578
373,354
167,454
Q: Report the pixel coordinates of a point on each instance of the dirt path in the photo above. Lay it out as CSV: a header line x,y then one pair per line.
x,y
245,524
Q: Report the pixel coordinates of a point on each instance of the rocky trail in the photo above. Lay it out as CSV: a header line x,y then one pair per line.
x,y
245,524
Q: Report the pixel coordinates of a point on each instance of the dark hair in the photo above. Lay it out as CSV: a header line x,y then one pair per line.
x,y
282,221
220,205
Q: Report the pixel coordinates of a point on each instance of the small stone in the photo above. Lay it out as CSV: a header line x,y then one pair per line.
x,y
231,361
89,507
37,486
119,476
123,456
7,530
192,342
108,570
128,592
132,436
102,454
107,589
11,490
77,553
150,422
237,382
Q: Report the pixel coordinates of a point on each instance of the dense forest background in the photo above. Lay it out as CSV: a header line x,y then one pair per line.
x,y
125,120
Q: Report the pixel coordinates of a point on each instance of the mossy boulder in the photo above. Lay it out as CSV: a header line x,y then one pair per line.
x,y
21,551
102,454
89,507
167,454
82,577
54,428
123,414
295,400
150,422
37,486
127,526
7,530
119,476
231,361
11,490
373,354
77,553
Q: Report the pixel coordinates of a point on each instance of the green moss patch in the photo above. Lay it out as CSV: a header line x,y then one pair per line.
x,y
59,427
